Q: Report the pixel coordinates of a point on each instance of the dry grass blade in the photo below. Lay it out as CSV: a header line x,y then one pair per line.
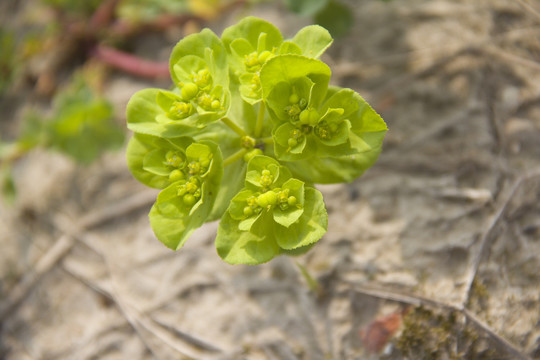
x,y
486,235
415,300
47,262
64,244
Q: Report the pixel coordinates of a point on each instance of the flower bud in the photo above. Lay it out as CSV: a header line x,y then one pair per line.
x,y
294,99
248,211
189,199
176,175
291,201
189,91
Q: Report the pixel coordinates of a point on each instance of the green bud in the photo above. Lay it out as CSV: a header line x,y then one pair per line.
x,y
309,117
293,99
189,91
215,104
266,172
291,201
247,142
248,211
189,199
292,142
304,117
176,175
266,199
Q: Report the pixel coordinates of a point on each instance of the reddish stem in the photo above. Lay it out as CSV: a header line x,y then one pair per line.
x,y
131,63
104,14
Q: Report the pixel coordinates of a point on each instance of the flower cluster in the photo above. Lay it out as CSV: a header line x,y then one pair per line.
x,y
249,126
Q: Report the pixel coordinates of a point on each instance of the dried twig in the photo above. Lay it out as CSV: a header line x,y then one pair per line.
x,y
416,300
529,7
486,235
64,244
188,338
46,263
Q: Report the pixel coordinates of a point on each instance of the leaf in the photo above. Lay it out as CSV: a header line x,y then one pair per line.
x,y
7,185
170,217
305,7
311,226
145,116
289,47
83,125
209,48
249,29
313,40
143,159
336,17
243,247
289,216
338,169
289,68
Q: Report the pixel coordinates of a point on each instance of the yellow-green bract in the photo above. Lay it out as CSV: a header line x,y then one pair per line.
x,y
249,127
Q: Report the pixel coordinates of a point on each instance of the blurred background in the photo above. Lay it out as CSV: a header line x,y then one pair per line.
x,y
434,253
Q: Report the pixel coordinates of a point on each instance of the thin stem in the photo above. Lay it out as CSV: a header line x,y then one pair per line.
x,y
269,140
235,157
260,120
131,63
233,126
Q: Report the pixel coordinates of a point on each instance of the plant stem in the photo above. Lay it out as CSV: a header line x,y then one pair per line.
x,y
235,157
268,140
260,120
131,63
233,126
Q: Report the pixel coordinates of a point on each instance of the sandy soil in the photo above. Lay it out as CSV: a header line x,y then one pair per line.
x,y
441,236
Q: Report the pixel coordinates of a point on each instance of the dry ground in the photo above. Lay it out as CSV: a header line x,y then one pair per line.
x,y
444,230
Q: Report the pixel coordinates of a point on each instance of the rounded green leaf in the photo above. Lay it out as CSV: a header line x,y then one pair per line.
x,y
289,68
286,217
243,247
313,40
309,228
249,29
145,116
178,210
146,158
206,46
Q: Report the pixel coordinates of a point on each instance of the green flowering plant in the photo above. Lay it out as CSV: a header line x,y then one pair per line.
x,y
250,125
